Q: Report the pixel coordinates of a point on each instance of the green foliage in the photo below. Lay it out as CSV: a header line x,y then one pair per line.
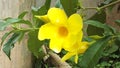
x,y
4,24
112,48
70,6
34,45
17,32
10,43
41,10
5,36
22,15
94,52
117,40
101,16
95,23
108,30
109,60
27,22
93,30
47,4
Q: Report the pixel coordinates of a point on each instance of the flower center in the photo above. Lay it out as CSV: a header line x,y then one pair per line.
x,y
63,31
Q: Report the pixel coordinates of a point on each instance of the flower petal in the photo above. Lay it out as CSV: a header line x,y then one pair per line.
x,y
79,36
67,56
43,18
47,31
76,58
82,47
57,16
75,23
69,43
56,44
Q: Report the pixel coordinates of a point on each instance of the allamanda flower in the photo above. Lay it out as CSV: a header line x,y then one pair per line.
x,y
78,48
63,32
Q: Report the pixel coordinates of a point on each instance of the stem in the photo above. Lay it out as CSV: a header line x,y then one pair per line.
x,y
89,7
103,7
28,29
113,3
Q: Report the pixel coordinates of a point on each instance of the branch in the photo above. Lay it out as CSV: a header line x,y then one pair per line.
x,y
113,3
57,61
103,7
54,58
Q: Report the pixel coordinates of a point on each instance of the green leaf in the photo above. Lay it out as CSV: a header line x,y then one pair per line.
x,y
107,29
35,11
112,48
34,44
93,53
70,6
99,16
22,15
110,29
27,22
47,4
95,23
117,40
4,24
5,36
58,4
95,37
10,43
94,28
42,10
117,22
21,35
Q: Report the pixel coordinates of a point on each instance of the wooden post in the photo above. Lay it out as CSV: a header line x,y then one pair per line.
x,y
20,55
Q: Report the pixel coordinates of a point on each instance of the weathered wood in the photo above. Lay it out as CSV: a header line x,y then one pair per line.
x,y
20,55
90,3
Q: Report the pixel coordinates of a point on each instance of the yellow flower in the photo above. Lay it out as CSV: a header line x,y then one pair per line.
x,y
60,29
63,32
78,48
